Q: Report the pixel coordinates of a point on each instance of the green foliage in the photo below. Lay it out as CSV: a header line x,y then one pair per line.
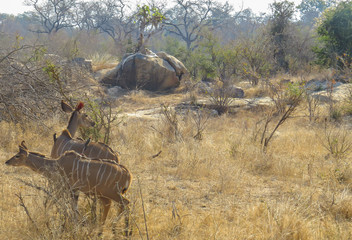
x,y
149,16
212,59
52,70
39,53
149,20
104,118
54,73
18,42
295,89
335,31
175,48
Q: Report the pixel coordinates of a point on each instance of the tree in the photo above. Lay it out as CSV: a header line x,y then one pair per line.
x,y
312,9
335,35
188,17
282,13
149,20
53,15
108,17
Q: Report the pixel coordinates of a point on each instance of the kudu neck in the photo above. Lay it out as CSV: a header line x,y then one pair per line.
x,y
39,163
73,124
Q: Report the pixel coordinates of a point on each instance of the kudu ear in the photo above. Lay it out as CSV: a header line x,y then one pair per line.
x,y
65,107
23,145
23,148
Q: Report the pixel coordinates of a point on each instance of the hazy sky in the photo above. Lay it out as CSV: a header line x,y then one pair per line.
x,y
17,6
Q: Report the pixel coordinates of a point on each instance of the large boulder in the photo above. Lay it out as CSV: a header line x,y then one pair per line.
x,y
146,71
174,62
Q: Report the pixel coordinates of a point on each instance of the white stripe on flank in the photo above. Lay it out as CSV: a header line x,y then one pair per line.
x,y
98,156
108,177
90,152
73,167
96,180
82,171
102,174
78,168
87,173
118,181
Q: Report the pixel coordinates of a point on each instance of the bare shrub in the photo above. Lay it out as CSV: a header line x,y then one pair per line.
x,y
200,119
25,91
336,140
32,82
172,123
312,106
220,97
286,102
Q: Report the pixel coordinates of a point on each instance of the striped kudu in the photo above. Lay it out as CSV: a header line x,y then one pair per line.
x,y
104,178
66,142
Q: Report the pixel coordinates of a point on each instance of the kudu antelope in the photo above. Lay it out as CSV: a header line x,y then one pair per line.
x,y
103,178
66,142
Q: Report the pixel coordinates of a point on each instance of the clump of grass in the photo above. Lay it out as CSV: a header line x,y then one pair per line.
x,y
278,221
256,92
103,61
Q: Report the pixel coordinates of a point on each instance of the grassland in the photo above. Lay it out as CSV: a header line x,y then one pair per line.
x,y
220,187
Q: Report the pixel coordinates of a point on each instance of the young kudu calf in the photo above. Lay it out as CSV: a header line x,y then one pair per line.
x,y
103,178
66,142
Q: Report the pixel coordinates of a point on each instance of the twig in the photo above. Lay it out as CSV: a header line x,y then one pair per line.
x,y
139,231
156,155
145,218
22,204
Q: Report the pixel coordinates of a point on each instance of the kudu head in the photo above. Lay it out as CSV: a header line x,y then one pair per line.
x,y
78,118
20,158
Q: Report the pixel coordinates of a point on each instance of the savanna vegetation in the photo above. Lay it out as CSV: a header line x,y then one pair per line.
x,y
273,164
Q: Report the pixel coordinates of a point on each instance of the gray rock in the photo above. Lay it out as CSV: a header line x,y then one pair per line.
x,y
235,92
150,72
209,88
174,62
83,63
315,85
116,91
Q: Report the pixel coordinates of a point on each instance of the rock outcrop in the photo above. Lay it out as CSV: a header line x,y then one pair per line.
x,y
154,72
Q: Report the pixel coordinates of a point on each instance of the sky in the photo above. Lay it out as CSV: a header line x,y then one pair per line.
x,y
17,6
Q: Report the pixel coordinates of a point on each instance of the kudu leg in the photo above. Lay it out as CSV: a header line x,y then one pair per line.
x,y
128,232
75,196
125,209
106,204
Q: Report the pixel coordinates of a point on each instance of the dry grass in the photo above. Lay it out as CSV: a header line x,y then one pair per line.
x,y
103,61
220,187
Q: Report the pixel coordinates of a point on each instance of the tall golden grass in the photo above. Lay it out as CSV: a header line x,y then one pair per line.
x,y
221,187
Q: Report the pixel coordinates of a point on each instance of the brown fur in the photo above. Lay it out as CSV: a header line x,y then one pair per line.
x,y
65,142
107,179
